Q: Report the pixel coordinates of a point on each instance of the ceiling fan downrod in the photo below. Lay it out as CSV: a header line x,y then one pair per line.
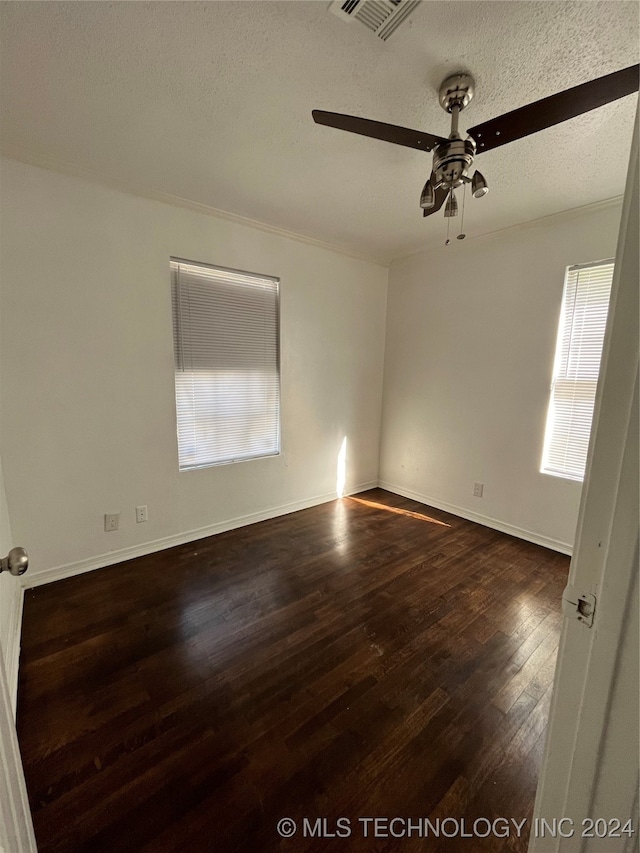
x,y
453,158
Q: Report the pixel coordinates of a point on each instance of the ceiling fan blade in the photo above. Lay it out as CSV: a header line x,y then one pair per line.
x,y
555,109
378,130
441,197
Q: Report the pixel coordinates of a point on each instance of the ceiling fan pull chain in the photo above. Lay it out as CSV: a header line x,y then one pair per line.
x,y
462,235
447,241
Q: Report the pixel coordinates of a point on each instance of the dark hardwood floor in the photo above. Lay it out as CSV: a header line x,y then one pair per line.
x,y
370,657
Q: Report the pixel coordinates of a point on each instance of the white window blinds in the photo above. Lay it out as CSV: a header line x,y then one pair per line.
x,y
227,372
583,320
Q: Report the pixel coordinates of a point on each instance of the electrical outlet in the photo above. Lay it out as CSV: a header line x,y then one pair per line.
x,y
141,514
478,489
111,521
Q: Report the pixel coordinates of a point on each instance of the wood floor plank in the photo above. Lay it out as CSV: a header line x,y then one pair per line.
x,y
367,657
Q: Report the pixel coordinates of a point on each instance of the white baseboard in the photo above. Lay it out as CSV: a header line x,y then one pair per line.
x,y
69,570
487,521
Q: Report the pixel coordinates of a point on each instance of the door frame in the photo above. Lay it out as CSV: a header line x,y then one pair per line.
x,y
605,564
16,825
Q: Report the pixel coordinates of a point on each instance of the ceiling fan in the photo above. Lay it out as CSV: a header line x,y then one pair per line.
x,y
453,157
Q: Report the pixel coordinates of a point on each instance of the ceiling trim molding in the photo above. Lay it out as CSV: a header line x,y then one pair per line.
x,y
43,161
570,213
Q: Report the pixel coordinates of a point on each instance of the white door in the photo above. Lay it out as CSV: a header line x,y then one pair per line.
x,y
16,828
589,776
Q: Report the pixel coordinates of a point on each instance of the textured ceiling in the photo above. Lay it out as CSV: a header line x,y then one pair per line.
x,y
211,102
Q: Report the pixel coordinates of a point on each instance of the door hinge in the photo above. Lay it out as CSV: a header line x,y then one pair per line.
x,y
579,605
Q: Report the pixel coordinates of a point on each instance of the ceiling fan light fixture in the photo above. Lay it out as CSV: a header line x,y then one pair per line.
x,y
428,196
451,207
478,185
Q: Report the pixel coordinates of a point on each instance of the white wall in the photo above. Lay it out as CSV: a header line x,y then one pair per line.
x,y
88,419
471,333
88,413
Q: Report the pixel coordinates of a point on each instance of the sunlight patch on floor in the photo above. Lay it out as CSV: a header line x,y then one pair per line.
x,y
419,515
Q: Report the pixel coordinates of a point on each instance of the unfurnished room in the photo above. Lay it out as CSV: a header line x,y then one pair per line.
x,y
319,426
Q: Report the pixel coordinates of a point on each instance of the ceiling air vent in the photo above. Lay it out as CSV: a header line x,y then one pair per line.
x,y
383,17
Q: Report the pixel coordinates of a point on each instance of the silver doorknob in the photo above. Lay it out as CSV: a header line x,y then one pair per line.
x,y
16,562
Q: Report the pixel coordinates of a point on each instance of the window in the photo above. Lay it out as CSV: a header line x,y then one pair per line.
x,y
583,319
227,365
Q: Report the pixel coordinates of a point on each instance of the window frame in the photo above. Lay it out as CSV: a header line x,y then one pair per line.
x,y
221,270
565,332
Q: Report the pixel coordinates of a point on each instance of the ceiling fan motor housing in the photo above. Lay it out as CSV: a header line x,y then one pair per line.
x,y
452,160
